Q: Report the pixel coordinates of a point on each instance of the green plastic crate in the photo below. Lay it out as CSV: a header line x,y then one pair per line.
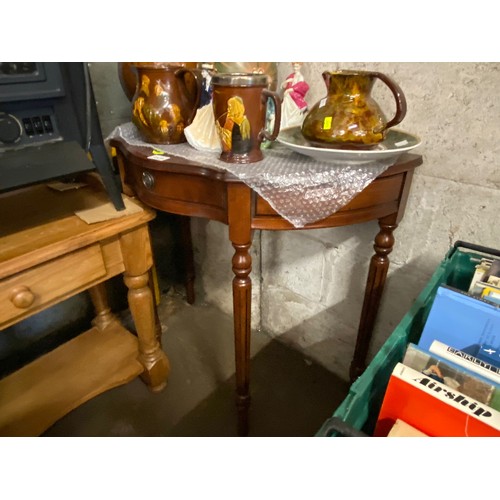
x,y
357,414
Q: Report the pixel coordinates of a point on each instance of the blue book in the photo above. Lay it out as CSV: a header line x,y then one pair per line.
x,y
464,322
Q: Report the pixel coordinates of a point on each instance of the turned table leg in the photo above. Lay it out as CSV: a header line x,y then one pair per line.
x,y
242,303
99,298
137,257
187,244
240,234
379,265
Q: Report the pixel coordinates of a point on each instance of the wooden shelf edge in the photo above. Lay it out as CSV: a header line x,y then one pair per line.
x,y
36,396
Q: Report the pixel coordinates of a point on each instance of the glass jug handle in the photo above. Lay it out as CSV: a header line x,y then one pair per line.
x,y
398,95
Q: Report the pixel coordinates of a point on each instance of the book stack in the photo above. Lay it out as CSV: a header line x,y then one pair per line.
x,y
448,384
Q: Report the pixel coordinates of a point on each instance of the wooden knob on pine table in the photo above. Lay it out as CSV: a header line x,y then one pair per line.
x,y
22,297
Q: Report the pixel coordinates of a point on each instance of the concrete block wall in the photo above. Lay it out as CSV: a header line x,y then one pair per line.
x,y
308,285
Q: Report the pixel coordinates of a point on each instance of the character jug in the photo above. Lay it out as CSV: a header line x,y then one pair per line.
x,y
348,117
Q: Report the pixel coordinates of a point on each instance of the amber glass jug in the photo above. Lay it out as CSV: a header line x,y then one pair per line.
x,y
164,103
348,117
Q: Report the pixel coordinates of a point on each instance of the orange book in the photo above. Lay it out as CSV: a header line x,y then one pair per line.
x,y
433,408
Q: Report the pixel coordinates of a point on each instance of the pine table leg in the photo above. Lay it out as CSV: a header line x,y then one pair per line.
x,y
137,257
99,298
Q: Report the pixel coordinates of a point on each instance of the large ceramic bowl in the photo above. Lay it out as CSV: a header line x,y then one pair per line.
x,y
395,144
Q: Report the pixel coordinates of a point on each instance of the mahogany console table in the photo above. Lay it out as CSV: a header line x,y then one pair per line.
x,y
48,254
183,187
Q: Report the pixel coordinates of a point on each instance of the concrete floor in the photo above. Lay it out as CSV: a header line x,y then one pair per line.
x,y
291,396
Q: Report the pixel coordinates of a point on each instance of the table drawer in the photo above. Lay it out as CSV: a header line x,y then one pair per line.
x,y
38,287
382,190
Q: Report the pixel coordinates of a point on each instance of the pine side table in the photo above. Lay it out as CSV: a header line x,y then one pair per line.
x,y
48,254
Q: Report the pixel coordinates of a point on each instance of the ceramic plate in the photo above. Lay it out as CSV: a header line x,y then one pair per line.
x,y
395,144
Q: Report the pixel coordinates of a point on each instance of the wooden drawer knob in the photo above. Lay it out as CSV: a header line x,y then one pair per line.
x,y
22,297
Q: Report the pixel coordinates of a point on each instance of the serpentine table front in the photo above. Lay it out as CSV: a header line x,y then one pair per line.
x,y
180,180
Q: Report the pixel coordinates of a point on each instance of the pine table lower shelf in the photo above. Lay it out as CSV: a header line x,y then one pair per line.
x,y
36,396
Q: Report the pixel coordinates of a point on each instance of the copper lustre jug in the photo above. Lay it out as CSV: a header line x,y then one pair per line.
x,y
348,117
164,102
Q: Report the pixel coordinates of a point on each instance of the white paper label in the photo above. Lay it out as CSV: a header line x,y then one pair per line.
x,y
158,157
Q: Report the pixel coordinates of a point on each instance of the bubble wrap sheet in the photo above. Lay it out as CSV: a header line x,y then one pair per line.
x,y
301,189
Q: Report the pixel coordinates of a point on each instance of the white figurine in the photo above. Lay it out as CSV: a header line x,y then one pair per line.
x,y
294,106
202,134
